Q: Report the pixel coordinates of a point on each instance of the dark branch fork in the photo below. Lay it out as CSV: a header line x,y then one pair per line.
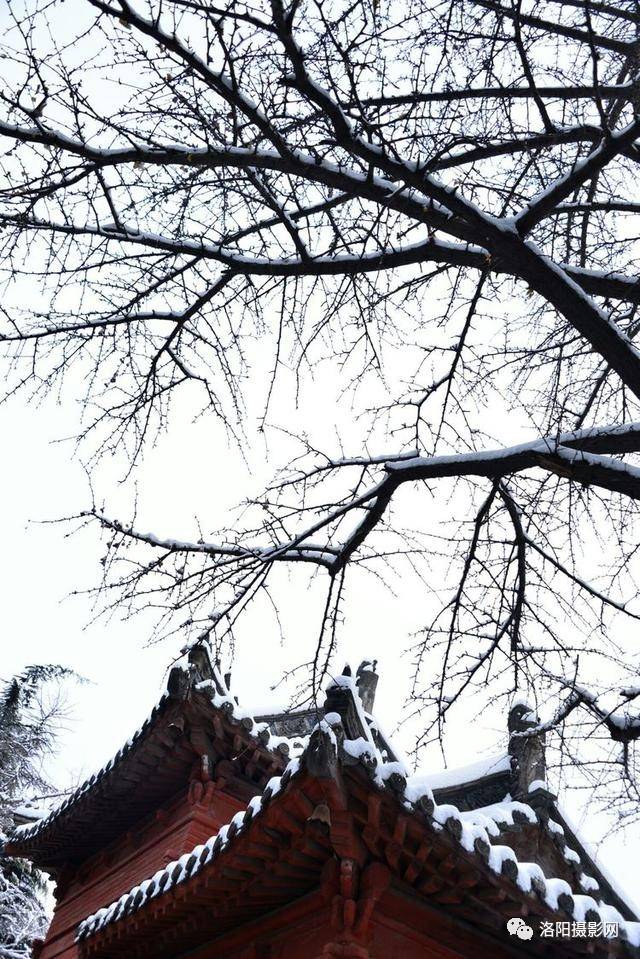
x,y
461,231
583,456
501,238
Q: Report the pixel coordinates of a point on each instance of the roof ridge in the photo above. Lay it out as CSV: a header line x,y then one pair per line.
x,y
184,677
472,835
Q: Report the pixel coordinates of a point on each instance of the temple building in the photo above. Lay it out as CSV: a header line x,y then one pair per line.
x,y
302,835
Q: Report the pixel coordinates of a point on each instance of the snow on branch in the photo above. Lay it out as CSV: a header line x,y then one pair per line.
x,y
273,226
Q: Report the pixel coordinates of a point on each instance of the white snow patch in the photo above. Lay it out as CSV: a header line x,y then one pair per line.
x,y
554,889
461,775
498,814
359,748
537,784
588,883
527,873
498,855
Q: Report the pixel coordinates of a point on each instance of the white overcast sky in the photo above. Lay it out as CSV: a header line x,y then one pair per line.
x,y
192,472
188,473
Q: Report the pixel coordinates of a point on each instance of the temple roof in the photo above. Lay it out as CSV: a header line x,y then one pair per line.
x,y
465,860
478,784
485,837
154,764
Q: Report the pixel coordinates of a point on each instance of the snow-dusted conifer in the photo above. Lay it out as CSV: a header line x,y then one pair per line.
x,y
28,723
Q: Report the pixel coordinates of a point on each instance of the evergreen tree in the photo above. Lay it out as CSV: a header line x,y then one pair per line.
x,y
28,726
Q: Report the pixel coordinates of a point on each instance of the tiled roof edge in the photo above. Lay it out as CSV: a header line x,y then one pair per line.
x,y
474,837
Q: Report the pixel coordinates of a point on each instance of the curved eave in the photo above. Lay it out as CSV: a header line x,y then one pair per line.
x,y
123,788
153,766
276,851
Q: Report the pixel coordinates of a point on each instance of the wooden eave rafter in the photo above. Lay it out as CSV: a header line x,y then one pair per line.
x,y
285,851
431,867
277,860
149,772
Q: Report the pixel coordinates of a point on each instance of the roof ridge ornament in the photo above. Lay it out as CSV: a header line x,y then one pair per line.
x,y
367,681
197,669
342,699
528,760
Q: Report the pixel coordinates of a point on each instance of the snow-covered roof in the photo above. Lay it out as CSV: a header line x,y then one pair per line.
x,y
188,865
29,813
589,853
462,775
484,833
213,693
478,833
30,830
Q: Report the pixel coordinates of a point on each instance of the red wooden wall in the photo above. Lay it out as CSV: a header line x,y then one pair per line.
x,y
133,858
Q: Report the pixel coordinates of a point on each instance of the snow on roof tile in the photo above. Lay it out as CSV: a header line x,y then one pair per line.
x,y
474,830
286,747
460,775
498,815
588,882
188,865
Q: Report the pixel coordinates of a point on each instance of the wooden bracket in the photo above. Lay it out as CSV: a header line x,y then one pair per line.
x,y
355,894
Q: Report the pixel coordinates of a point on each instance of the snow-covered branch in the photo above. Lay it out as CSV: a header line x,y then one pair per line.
x,y
319,224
